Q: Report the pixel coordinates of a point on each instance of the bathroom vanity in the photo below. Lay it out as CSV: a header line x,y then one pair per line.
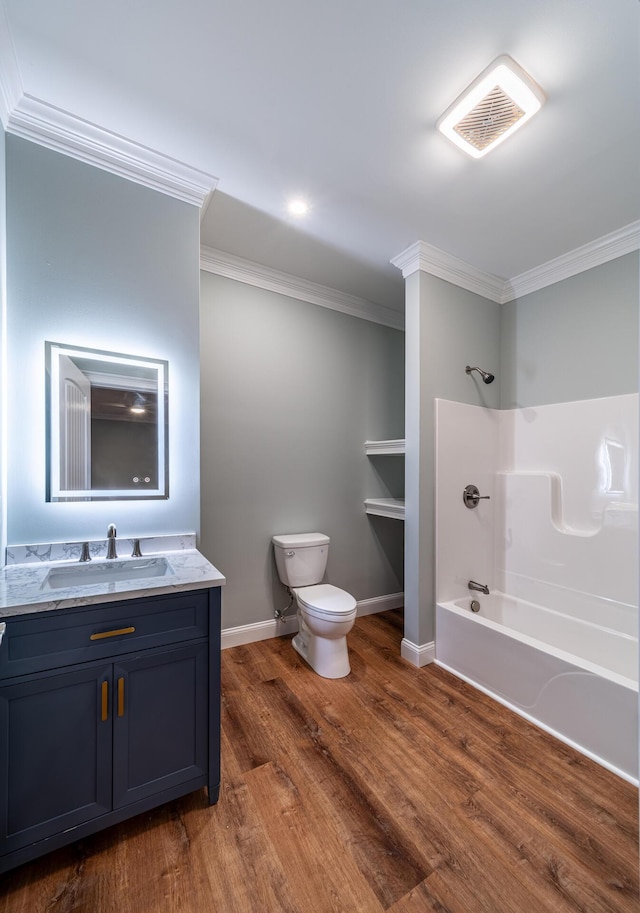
x,y
109,698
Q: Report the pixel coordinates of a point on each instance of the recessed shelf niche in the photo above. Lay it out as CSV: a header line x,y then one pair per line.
x,y
385,507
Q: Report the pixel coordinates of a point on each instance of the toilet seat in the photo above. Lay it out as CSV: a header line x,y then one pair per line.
x,y
325,600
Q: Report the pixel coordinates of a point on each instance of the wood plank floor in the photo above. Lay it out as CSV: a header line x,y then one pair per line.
x,y
395,789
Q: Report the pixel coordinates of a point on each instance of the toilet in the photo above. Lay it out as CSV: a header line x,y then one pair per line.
x,y
325,613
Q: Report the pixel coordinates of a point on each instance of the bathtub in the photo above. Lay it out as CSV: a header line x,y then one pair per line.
x,y
575,679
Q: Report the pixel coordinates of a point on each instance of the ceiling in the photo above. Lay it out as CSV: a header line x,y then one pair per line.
x,y
337,101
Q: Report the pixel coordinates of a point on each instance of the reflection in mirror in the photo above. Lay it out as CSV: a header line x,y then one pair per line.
x,y
107,425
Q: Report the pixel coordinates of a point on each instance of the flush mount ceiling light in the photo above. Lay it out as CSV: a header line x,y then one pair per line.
x,y
494,106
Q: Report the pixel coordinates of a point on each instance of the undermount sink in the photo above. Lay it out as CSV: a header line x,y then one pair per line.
x,y
105,572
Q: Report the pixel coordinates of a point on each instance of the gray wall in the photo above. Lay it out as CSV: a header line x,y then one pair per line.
x,y
447,328
577,339
290,393
97,261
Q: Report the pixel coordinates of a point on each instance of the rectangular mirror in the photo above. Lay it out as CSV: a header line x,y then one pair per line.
x,y
107,425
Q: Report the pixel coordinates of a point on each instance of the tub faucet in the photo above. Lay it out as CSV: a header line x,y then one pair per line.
x,y
480,587
111,541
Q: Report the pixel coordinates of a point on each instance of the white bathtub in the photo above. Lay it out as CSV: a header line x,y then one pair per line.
x,y
575,679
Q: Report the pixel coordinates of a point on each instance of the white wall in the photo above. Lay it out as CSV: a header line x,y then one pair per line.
x,y
97,261
561,528
467,453
3,353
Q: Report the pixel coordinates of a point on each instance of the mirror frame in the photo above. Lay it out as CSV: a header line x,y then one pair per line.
x,y
160,374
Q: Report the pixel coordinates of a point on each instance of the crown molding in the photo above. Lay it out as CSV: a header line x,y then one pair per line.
x,y
232,267
609,247
436,262
42,123
10,80
36,120
429,259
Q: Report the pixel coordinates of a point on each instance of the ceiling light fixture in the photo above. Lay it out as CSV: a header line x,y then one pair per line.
x,y
494,106
138,405
298,207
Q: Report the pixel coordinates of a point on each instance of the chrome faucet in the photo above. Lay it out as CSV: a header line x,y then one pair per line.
x,y
111,541
480,587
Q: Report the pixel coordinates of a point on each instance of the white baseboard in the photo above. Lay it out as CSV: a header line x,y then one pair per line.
x,y
263,630
418,654
380,604
260,630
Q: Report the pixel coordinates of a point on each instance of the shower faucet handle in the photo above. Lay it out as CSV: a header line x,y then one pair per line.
x,y
471,496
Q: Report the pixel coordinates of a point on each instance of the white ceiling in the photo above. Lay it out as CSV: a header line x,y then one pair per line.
x,y
337,100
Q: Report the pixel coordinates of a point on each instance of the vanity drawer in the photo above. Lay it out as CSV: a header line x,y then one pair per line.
x,y
49,640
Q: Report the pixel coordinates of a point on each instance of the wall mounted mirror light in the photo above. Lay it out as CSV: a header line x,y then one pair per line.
x,y
107,425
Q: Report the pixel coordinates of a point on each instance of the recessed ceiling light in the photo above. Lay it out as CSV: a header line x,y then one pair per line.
x,y
494,106
297,207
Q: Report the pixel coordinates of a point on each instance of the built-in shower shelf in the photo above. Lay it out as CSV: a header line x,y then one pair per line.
x,y
383,448
385,507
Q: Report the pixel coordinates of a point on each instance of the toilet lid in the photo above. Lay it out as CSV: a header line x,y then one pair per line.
x,y
326,598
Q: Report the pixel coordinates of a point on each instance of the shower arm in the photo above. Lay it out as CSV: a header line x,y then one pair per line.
x,y
486,376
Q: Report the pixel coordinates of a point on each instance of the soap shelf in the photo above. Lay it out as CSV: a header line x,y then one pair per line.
x,y
383,448
385,507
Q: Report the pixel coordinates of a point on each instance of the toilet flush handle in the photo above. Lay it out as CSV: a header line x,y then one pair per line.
x,y
289,554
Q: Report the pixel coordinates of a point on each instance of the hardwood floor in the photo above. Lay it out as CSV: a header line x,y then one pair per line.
x,y
395,789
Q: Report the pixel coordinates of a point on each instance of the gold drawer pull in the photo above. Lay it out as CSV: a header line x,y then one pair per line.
x,y
105,701
121,697
104,634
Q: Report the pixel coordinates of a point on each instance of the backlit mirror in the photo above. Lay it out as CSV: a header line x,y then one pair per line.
x,y
107,425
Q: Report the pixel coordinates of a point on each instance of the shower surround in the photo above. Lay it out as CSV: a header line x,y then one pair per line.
x,y
557,545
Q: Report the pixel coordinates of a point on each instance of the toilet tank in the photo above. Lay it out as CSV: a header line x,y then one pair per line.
x,y
301,559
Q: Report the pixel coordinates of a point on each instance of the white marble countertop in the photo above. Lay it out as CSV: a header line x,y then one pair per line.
x,y
24,587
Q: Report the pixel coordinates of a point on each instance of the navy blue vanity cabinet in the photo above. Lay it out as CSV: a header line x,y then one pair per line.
x,y
160,722
106,711
53,773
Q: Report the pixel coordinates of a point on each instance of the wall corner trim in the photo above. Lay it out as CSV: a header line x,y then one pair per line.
x,y
230,266
10,80
32,119
436,262
609,247
418,654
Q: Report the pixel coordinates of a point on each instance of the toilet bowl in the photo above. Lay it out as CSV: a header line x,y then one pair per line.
x,y
325,616
326,613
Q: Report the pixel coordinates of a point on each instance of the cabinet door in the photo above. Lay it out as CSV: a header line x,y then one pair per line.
x,y
55,754
160,722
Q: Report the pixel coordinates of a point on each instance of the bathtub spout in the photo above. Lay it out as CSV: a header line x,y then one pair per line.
x,y
480,587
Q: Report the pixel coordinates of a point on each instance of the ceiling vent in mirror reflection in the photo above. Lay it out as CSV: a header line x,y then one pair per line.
x,y
107,425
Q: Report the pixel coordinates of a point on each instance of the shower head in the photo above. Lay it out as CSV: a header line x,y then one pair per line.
x,y
487,378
